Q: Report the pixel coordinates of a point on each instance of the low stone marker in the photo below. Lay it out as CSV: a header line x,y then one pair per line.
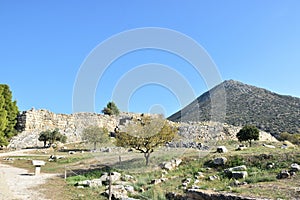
x,y
38,164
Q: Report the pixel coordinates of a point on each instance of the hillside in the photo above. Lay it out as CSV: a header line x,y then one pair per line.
x,y
246,104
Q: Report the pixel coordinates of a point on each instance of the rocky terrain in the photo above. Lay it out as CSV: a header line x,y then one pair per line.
x,y
246,104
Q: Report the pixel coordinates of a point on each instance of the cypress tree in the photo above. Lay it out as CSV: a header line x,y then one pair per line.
x,y
8,115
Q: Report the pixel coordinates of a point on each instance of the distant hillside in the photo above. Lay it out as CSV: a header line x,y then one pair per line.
x,y
246,104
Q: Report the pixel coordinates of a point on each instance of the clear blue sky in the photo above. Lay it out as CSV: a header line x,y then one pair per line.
x,y
44,43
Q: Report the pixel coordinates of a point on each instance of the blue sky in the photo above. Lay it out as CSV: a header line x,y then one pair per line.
x,y
44,43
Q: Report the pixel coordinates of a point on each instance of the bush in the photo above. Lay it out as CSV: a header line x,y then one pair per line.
x,y
293,138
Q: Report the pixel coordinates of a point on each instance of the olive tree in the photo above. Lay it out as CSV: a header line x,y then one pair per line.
x,y
95,134
52,137
145,134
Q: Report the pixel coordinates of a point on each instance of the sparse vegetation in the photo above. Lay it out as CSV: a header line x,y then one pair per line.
x,y
260,182
293,138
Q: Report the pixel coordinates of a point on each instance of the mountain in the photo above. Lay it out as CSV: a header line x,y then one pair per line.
x,y
244,104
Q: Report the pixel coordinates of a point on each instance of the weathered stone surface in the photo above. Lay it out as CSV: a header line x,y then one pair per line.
x,y
118,192
115,176
212,178
238,168
222,149
295,167
239,174
269,146
220,161
171,165
90,183
283,174
32,122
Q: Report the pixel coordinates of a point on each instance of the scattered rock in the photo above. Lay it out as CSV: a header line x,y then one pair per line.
x,y
156,181
241,147
118,192
270,165
129,188
72,152
239,174
212,178
115,176
283,174
222,149
220,161
8,159
269,146
237,183
295,167
237,168
199,175
89,183
171,165
127,177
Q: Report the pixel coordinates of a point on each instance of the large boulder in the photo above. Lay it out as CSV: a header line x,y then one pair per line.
x,y
171,165
115,176
118,192
295,167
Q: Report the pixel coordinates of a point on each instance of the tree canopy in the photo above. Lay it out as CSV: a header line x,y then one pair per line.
x,y
8,115
95,134
248,133
52,137
145,134
111,109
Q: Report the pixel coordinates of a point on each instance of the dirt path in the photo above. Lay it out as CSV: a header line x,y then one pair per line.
x,y
17,183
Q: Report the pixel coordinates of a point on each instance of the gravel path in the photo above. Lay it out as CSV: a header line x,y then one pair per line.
x,y
17,183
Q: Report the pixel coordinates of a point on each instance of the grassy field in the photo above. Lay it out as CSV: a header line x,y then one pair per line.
x,y
261,181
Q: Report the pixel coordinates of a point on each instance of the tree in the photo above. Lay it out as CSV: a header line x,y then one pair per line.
x,y
8,115
248,133
95,134
52,137
111,109
145,134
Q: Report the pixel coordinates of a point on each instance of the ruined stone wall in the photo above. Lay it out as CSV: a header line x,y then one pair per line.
x,y
32,122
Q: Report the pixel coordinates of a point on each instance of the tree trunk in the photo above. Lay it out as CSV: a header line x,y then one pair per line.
x,y
250,143
95,148
45,142
147,157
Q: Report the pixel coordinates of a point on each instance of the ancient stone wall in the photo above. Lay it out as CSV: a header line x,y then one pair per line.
x,y
32,122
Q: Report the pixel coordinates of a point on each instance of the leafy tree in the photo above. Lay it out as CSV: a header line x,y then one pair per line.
x,y
146,134
248,133
111,109
8,115
95,134
52,137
